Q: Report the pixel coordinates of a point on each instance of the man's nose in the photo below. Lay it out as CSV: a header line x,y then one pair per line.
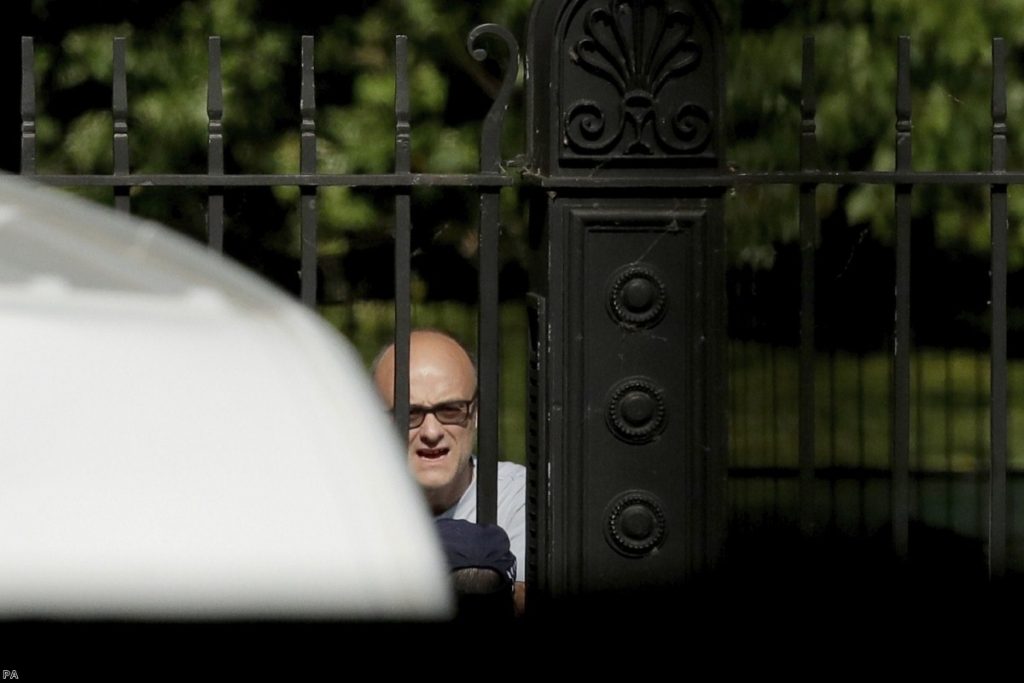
x,y
431,432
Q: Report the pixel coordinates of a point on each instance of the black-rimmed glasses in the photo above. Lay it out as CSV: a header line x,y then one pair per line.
x,y
447,413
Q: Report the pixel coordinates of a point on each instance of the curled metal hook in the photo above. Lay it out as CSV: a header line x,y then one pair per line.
x,y
490,136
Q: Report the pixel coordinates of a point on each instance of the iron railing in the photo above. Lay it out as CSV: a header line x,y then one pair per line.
x,y
490,179
487,182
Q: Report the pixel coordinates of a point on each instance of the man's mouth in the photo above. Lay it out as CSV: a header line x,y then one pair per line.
x,y
431,453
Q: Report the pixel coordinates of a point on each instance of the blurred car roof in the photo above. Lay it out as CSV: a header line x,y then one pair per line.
x,y
183,440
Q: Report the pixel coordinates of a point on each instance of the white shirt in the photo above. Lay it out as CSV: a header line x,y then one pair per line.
x,y
511,509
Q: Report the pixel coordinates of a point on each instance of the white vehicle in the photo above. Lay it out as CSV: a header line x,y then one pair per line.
x,y
181,440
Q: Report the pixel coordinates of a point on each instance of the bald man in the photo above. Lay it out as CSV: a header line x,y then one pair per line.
x,y
442,429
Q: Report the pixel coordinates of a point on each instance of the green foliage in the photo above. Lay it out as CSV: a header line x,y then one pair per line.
x,y
354,56
450,93
855,85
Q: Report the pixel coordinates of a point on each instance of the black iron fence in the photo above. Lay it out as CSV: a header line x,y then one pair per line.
x,y
789,453
488,181
882,466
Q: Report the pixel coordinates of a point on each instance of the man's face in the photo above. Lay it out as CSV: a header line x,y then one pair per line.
x,y
440,375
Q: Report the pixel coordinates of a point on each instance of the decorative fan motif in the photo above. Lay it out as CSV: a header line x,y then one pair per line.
x,y
639,47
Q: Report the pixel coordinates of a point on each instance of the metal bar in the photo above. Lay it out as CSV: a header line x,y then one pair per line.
x,y
947,413
403,234
119,108
307,165
28,106
1000,225
849,472
767,415
215,147
777,498
734,412
488,344
919,422
981,430
476,180
776,404
488,352
901,340
808,245
862,494
832,440
745,398
537,503
368,181
712,179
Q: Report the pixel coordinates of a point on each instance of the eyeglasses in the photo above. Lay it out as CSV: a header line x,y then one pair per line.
x,y
447,413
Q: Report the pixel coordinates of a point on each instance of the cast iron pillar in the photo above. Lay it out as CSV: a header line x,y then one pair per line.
x,y
627,386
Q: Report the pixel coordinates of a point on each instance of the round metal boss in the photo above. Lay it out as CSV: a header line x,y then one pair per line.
x,y
637,297
635,523
636,410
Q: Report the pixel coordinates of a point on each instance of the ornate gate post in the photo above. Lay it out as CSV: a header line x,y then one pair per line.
x,y
627,387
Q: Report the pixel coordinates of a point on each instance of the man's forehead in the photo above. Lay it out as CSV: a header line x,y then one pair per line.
x,y
432,353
